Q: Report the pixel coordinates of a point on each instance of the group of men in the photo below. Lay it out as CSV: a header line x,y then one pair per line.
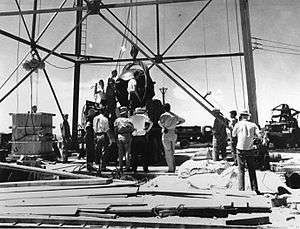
x,y
243,132
130,133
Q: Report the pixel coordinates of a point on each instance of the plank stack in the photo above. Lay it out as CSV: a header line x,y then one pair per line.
x,y
103,201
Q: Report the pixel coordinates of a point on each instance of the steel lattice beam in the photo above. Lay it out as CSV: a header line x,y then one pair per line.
x,y
182,57
104,6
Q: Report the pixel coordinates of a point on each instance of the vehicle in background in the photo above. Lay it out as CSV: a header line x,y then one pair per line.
x,y
5,145
283,130
193,134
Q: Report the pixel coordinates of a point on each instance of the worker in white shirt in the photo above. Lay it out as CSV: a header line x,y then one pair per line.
x,y
246,132
142,125
101,128
168,121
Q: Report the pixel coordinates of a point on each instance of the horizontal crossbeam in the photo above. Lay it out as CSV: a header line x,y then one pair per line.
x,y
104,6
183,57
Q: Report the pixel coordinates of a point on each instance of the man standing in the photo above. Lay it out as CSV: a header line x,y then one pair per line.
x,y
124,128
233,121
246,131
90,139
168,121
219,136
66,136
142,125
101,128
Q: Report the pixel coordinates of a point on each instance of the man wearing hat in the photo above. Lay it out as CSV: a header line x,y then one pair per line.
x,y
142,125
246,131
219,136
124,128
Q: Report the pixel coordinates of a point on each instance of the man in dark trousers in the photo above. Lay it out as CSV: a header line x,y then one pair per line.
x,y
89,140
246,131
233,120
142,125
219,136
66,136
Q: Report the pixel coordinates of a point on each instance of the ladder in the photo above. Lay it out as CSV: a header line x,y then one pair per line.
x,y
84,26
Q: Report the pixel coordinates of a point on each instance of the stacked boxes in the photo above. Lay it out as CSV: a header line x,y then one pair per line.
x,y
32,134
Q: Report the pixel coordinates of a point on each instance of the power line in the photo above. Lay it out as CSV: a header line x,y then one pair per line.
x,y
277,51
273,41
278,47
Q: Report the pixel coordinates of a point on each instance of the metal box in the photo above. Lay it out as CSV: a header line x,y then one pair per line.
x,y
32,120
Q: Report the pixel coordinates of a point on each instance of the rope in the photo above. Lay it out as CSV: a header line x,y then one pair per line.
x,y
38,74
124,42
205,51
240,58
136,23
18,54
231,61
59,67
31,88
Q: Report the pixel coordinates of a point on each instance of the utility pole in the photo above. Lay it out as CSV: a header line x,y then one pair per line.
x,y
163,91
76,77
248,59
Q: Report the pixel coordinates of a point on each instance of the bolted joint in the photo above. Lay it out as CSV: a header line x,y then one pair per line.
x,y
158,59
94,6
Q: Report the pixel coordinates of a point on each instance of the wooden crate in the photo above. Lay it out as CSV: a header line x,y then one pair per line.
x,y
30,119
31,148
31,134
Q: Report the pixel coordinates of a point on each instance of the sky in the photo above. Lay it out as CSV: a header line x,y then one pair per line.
x,y
276,73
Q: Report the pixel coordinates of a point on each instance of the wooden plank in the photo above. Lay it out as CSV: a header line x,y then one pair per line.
x,y
53,188
120,222
55,210
97,215
45,171
73,201
160,191
249,221
70,193
67,182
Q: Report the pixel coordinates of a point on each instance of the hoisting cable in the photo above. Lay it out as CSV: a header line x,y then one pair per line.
x,y
240,58
42,33
124,41
18,55
16,69
38,74
205,52
229,49
136,23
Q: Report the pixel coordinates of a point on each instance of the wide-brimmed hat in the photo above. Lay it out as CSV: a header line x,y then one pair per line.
x,y
216,111
139,110
123,110
245,113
